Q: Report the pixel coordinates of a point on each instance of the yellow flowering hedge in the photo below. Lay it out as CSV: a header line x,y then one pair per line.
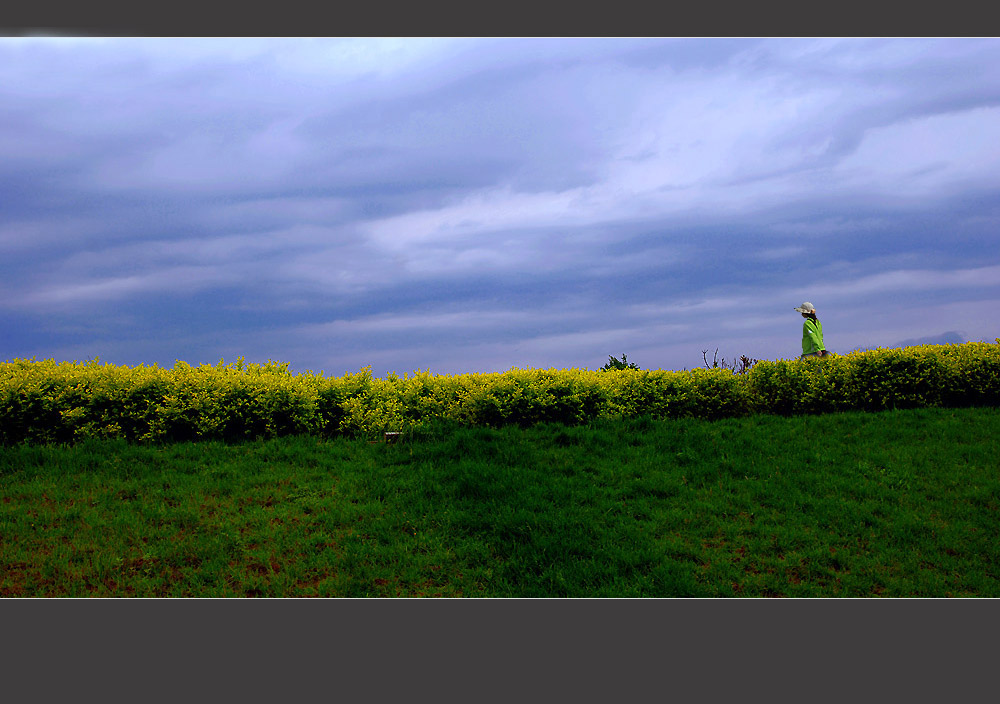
x,y
46,401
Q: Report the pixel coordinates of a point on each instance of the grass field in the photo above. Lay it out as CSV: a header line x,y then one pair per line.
x,y
892,504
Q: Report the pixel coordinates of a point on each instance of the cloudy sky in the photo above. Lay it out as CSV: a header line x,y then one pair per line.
x,y
474,205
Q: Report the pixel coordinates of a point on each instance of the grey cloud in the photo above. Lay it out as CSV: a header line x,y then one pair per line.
x,y
475,204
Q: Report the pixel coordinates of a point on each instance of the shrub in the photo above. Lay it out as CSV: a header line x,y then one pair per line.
x,y
42,401
615,363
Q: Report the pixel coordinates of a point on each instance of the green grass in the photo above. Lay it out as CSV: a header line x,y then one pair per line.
x,y
893,504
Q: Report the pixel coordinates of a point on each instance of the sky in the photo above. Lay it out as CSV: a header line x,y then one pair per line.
x,y
464,204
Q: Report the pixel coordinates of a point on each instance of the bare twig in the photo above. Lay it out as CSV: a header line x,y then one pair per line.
x,y
741,365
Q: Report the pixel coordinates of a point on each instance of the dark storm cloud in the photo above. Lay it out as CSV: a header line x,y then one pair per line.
x,y
476,204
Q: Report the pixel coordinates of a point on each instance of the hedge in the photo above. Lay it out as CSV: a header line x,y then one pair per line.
x,y
50,402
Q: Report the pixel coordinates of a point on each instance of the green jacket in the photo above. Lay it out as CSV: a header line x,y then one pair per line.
x,y
812,336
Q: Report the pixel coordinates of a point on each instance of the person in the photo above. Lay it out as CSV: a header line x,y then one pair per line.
x,y
812,332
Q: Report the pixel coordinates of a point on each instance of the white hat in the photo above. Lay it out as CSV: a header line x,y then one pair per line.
x,y
806,307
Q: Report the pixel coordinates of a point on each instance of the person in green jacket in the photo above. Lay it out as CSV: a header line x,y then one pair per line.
x,y
812,332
